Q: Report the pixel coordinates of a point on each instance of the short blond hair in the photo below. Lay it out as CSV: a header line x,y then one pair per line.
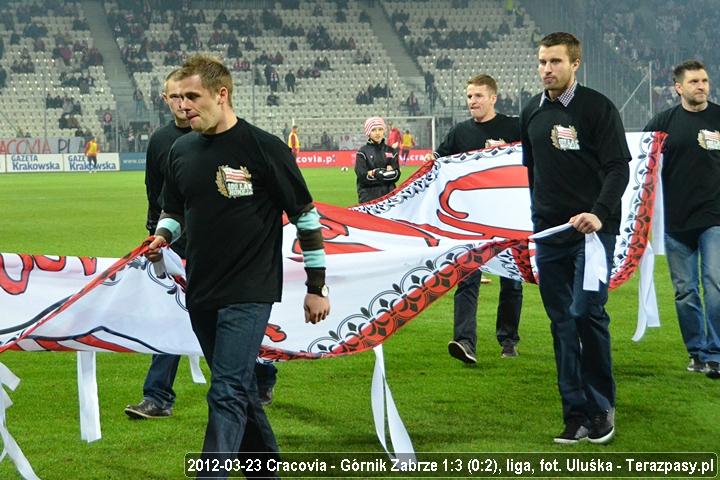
x,y
213,74
484,79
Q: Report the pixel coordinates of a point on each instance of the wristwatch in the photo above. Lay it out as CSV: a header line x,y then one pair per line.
x,y
323,290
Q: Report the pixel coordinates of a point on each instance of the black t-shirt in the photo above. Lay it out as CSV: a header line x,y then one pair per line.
x,y
691,167
471,135
155,162
232,189
577,159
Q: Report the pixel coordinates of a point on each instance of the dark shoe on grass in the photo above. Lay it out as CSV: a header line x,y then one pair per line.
x,y
461,350
147,409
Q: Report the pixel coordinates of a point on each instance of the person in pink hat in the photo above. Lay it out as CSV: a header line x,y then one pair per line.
x,y
376,163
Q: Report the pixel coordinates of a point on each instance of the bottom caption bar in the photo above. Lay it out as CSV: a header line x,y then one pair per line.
x,y
451,465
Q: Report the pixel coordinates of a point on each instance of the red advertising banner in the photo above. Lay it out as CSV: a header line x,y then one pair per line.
x,y
346,158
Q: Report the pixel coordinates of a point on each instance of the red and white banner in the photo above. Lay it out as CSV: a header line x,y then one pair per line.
x,y
388,261
346,158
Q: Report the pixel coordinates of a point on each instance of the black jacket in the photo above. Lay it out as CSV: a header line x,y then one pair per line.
x,y
375,157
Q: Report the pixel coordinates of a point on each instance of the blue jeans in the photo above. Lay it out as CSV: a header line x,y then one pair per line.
x,y
692,256
159,380
158,386
508,311
579,326
230,338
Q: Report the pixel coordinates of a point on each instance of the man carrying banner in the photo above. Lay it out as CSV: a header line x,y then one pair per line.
x,y
575,150
158,393
227,183
485,129
690,178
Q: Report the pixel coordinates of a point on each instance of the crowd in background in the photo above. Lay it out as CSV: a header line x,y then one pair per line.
x,y
664,32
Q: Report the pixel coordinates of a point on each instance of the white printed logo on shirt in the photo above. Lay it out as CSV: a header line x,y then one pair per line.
x,y
494,143
709,140
564,138
234,182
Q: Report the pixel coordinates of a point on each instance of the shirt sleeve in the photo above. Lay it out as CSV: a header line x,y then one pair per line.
x,y
290,192
447,147
614,156
171,199
527,152
153,187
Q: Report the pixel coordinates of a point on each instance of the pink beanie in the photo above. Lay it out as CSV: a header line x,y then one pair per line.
x,y
374,122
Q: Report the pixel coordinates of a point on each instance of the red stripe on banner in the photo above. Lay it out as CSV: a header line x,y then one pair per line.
x,y
53,345
643,216
94,341
336,222
48,264
112,270
405,309
16,286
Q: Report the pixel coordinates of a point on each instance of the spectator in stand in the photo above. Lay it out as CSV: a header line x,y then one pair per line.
x,y
326,141
272,100
429,81
274,79
139,99
290,81
412,105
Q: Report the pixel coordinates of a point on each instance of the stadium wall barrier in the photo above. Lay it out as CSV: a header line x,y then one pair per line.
x,y
76,162
38,145
56,162
132,161
345,158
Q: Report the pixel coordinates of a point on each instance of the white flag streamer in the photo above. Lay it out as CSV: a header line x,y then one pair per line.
x,y
88,397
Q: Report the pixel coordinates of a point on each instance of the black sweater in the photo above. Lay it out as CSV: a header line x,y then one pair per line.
x,y
577,159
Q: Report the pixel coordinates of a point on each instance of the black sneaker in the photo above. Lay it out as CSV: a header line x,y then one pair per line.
x,y
147,409
713,370
696,365
575,431
602,428
461,350
266,396
508,351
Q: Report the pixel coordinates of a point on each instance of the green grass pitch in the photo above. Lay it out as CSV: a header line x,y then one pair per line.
x,y
500,405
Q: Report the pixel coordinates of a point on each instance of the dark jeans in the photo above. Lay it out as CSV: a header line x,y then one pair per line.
x,y
158,386
508,311
694,257
230,338
579,326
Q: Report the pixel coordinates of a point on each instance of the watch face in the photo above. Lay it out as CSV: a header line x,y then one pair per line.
x,y
325,291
